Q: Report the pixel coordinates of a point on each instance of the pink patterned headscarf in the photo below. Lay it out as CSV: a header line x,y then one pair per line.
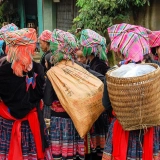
x,y
130,40
46,36
154,38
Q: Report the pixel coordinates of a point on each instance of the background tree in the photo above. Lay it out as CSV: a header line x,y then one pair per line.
x,y
8,12
98,15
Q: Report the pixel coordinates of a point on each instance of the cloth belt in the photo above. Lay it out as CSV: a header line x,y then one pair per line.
x,y
15,149
120,143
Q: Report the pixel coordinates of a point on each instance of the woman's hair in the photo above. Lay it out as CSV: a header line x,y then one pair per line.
x,y
78,30
4,47
48,59
153,50
48,43
147,58
5,23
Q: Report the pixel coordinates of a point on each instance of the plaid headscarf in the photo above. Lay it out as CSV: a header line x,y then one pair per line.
x,y
22,45
63,45
154,38
46,36
132,41
94,43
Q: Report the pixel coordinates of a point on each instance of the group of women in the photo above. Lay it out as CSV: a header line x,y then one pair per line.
x,y
65,140
27,97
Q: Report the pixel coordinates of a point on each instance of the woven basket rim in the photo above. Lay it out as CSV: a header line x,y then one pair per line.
x,y
133,78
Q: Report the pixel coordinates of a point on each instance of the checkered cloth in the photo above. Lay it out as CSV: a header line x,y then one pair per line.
x,y
22,45
130,40
154,38
92,42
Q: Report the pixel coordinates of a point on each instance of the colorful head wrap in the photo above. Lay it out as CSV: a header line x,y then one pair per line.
x,y
130,40
63,45
154,38
94,43
22,45
3,30
8,28
46,36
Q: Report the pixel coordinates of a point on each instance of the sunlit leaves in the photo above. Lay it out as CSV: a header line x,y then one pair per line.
x,y
98,15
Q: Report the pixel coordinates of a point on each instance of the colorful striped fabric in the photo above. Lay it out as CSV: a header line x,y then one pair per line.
x,y
135,144
154,38
92,42
3,30
66,41
27,140
21,37
66,143
22,44
130,40
63,45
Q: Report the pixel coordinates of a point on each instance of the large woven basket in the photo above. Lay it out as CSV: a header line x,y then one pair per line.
x,y
136,101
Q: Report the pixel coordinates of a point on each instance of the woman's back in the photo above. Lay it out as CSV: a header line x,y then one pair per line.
x,y
14,92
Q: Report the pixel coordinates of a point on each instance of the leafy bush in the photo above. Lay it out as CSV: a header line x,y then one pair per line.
x,y
8,13
98,15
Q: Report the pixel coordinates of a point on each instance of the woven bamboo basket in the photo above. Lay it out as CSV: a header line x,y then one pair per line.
x,y
136,100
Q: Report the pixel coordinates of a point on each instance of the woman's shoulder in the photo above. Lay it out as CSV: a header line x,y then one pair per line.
x,y
38,68
6,69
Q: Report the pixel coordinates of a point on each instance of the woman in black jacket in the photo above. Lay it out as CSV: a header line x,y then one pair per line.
x,y
94,49
22,133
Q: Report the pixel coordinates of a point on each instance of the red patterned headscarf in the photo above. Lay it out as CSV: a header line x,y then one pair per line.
x,y
22,45
46,36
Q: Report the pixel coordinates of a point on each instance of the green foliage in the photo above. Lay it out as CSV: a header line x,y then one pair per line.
x,y
3,8
8,14
98,15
